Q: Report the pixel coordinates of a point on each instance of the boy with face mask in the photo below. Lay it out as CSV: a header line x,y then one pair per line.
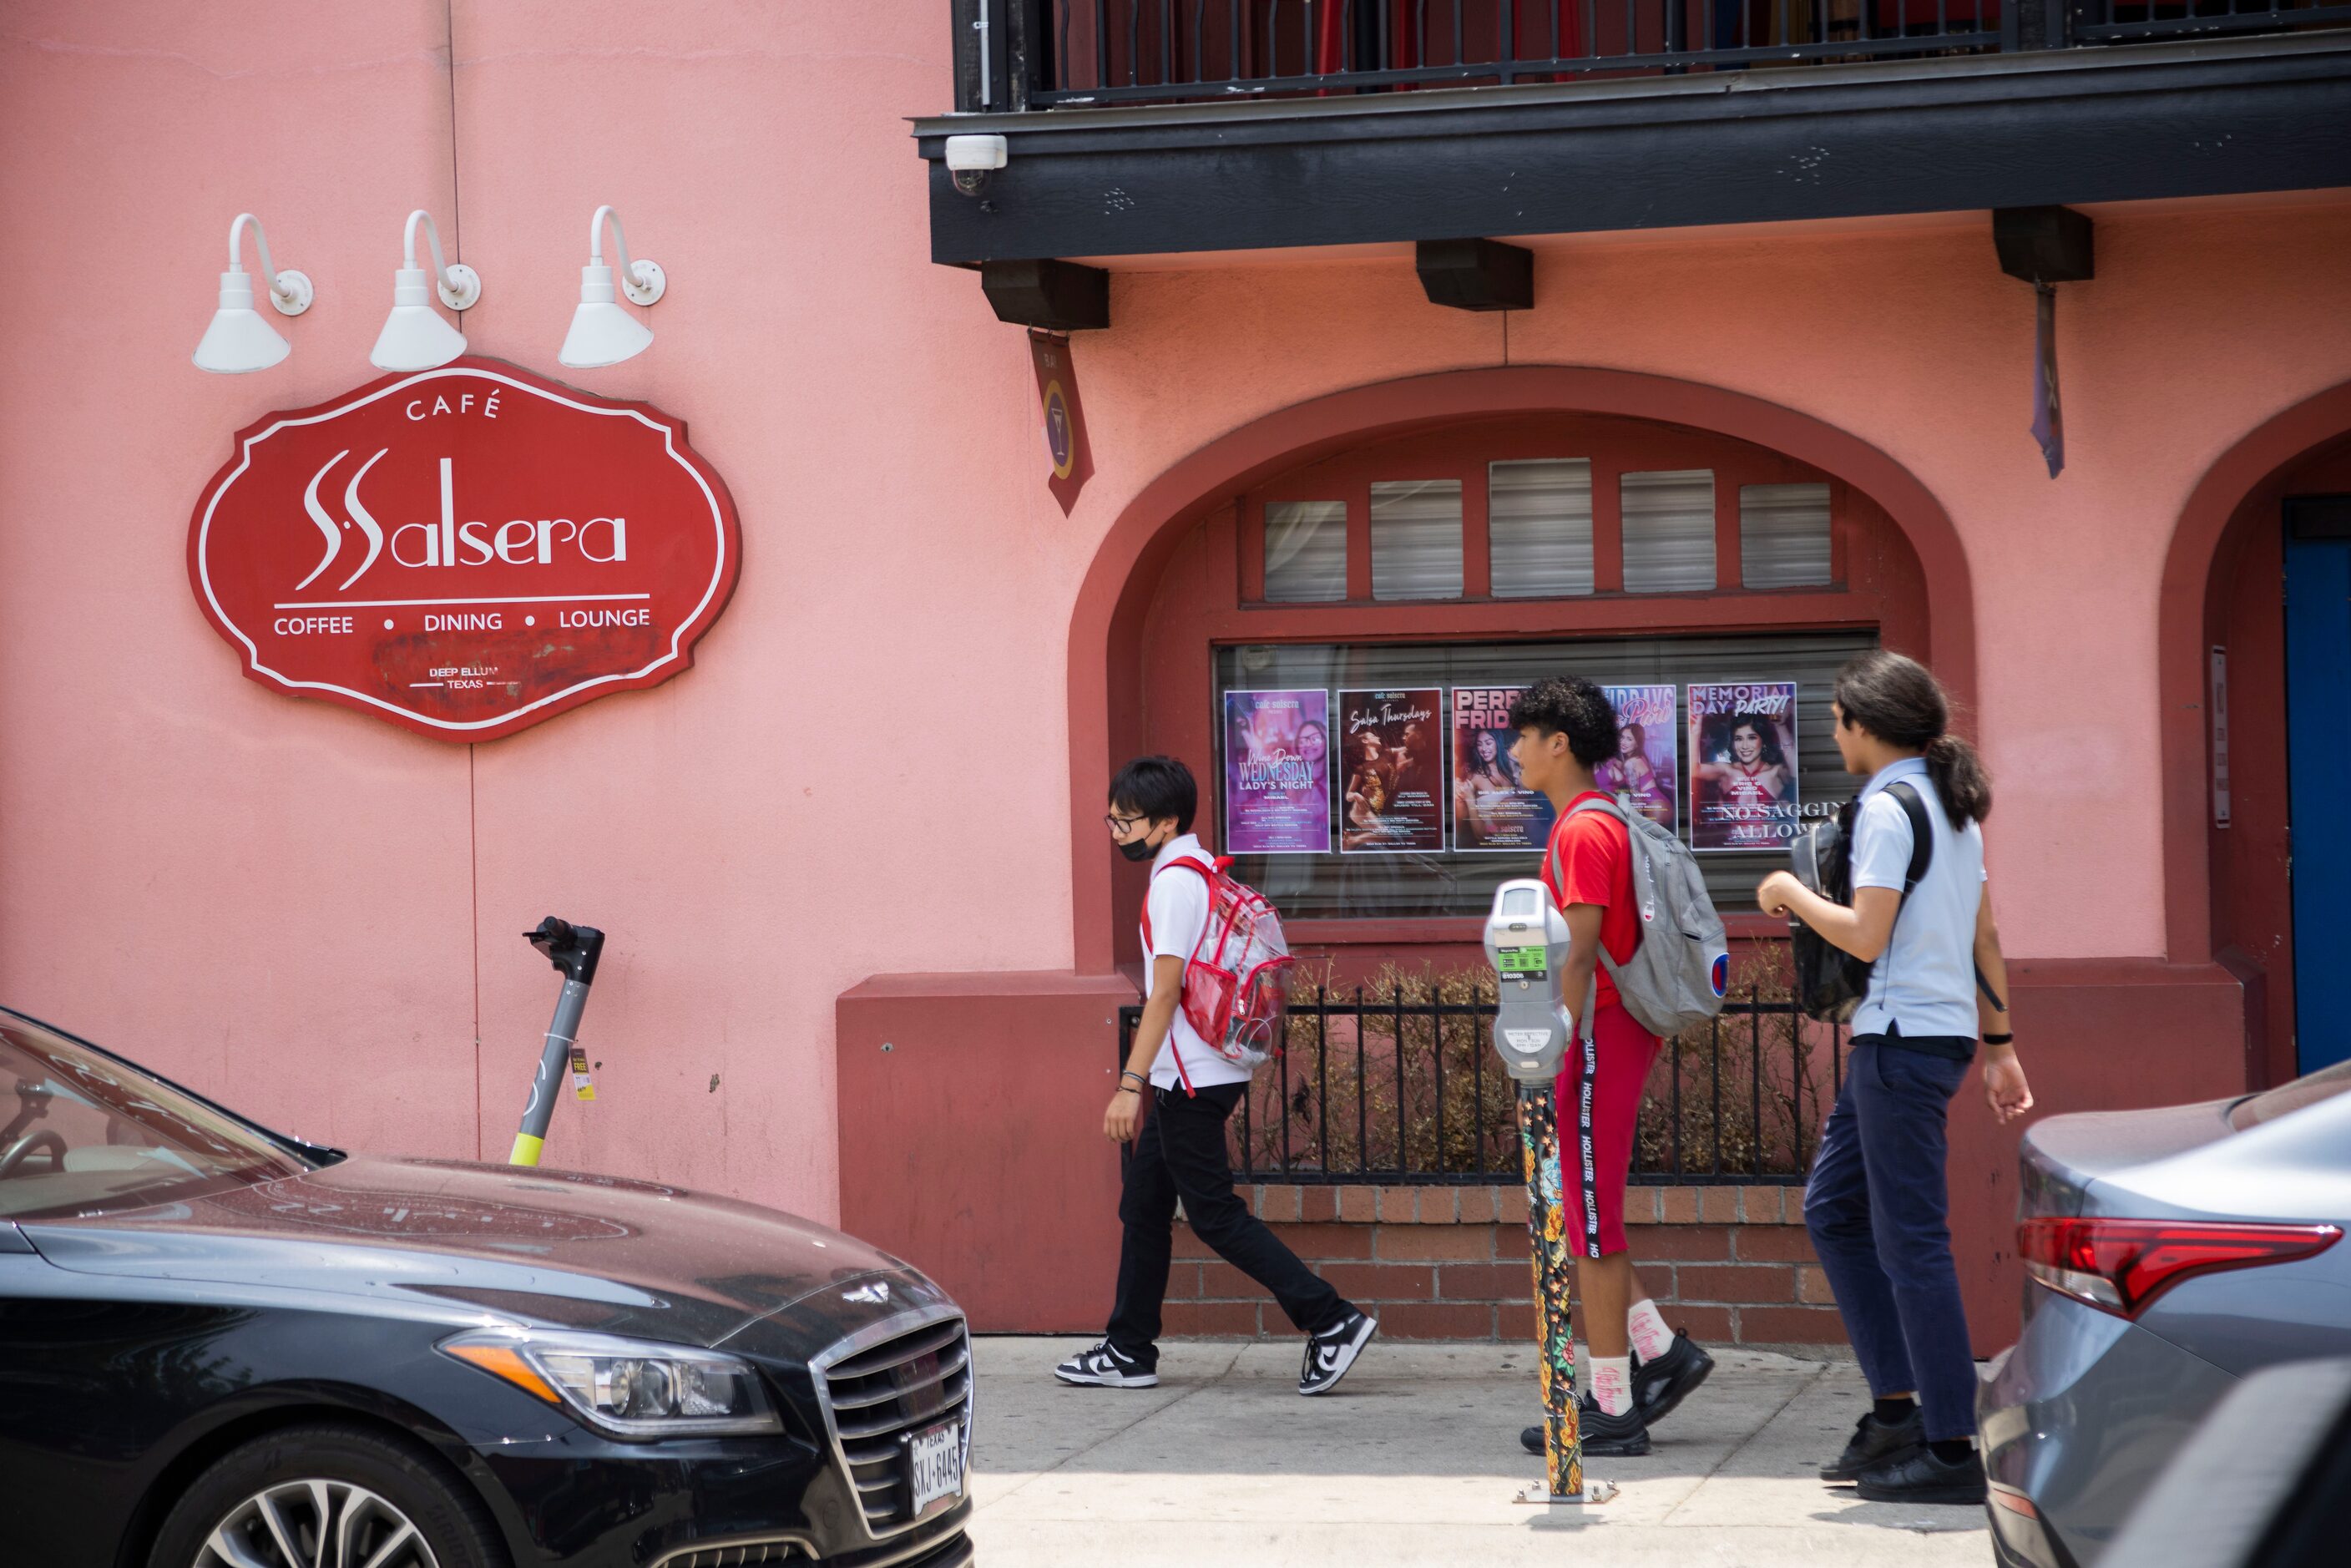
x,y
1177,1150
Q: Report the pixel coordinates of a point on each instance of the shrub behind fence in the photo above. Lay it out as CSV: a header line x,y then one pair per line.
x,y
1395,1081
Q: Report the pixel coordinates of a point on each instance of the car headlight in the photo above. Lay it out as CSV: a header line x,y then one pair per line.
x,y
629,1388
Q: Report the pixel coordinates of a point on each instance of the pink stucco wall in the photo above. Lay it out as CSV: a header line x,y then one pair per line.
x,y
314,915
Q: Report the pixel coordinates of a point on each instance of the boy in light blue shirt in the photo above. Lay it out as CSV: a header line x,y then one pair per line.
x,y
1877,1203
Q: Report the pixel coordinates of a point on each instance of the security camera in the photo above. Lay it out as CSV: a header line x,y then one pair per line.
x,y
970,159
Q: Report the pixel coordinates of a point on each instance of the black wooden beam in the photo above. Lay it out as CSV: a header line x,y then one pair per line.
x,y
1058,296
2212,117
2044,244
1476,273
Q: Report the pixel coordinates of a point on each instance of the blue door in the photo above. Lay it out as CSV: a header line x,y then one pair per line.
x,y
2318,739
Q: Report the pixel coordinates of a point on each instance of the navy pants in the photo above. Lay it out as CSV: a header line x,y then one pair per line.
x,y
1877,1210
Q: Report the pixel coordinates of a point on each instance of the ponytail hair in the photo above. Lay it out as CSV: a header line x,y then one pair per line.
x,y
1900,701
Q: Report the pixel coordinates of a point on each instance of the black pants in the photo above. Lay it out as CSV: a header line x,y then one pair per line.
x,y
1180,1153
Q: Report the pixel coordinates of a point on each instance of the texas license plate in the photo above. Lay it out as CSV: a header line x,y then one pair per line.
x,y
937,1457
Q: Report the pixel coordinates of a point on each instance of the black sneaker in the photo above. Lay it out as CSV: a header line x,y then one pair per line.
x,y
1876,1442
1331,1351
1658,1385
1607,1437
1106,1367
1920,1477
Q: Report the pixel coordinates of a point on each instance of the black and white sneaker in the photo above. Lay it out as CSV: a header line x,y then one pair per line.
x,y
1331,1351
1601,1435
1658,1385
1106,1367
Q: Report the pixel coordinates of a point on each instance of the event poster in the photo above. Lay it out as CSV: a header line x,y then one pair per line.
x,y
1277,773
1743,765
1493,813
1644,773
1390,758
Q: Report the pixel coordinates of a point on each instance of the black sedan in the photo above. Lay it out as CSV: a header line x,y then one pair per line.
x,y
221,1347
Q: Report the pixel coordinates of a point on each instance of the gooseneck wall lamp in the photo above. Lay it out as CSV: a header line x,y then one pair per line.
x,y
601,332
238,339
414,337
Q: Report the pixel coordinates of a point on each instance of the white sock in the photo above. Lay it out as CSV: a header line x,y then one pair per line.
x,y
1651,1337
1611,1383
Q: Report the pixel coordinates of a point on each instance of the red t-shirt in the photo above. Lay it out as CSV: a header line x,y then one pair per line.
x,y
1590,861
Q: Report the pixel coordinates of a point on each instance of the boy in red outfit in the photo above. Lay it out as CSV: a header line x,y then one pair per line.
x,y
1565,729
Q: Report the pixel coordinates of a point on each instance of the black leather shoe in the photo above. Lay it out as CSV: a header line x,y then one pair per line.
x,y
1923,1478
1876,1442
1658,1385
1607,1437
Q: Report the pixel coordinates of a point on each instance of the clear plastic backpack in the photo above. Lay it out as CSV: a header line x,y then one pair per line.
x,y
1236,992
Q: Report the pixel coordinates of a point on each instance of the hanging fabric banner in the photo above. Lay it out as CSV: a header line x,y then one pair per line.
x,y
1064,417
2048,418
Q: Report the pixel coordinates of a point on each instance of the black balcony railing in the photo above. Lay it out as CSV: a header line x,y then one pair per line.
x,y
1398,1085
1046,53
2102,21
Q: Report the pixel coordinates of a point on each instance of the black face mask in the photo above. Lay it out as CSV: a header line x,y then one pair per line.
x,y
1139,850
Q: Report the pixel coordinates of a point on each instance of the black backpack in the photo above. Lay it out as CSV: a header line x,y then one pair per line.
x,y
1830,982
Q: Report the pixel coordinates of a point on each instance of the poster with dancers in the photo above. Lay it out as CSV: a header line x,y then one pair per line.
x,y
1492,812
1277,773
1742,773
1645,773
1390,758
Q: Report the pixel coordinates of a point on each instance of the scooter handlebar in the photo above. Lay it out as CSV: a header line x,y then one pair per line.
x,y
573,949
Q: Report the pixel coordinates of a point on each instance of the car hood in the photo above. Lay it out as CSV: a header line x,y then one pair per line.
x,y
603,1253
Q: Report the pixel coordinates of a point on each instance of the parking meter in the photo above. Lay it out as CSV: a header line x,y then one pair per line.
x,y
1526,941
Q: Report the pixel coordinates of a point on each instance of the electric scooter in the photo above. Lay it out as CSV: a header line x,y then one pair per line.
x,y
573,950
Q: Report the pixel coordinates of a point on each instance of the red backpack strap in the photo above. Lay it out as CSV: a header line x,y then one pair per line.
x,y
1208,874
1189,864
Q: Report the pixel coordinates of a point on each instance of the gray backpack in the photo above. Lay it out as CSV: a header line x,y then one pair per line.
x,y
1676,977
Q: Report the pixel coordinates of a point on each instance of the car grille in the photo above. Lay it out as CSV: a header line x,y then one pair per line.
x,y
752,1551
877,1398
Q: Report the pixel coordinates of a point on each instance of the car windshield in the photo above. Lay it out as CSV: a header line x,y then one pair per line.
x,y
82,1134
2271,1103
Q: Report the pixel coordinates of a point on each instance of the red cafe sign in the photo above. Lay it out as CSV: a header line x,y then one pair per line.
x,y
464,552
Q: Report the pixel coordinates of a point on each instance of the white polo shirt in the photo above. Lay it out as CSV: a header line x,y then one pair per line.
x,y
1926,978
1179,913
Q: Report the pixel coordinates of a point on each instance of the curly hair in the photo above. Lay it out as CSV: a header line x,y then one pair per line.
x,y
1574,707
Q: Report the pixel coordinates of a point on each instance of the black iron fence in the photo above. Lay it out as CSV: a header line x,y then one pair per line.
x,y
1045,54
1397,1084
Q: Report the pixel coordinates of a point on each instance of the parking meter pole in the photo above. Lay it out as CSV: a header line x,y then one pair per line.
x,y
573,950
1527,941
1554,1331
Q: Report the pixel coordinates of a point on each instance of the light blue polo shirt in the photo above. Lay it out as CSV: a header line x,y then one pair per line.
x,y
1926,978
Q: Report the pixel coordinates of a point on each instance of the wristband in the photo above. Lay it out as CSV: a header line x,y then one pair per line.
x,y
1139,1080
1999,1038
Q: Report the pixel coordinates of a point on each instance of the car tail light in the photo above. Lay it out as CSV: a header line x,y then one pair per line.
x,y
2120,1265
2013,1500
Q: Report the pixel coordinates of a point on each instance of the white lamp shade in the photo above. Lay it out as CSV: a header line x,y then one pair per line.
x,y
414,336
602,333
238,339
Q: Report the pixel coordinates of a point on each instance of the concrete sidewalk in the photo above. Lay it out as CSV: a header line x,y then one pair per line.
x,y
1415,1460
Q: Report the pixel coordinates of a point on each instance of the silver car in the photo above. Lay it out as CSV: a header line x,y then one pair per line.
x,y
2170,1253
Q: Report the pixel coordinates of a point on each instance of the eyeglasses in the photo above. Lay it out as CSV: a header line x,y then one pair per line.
x,y
1118,824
